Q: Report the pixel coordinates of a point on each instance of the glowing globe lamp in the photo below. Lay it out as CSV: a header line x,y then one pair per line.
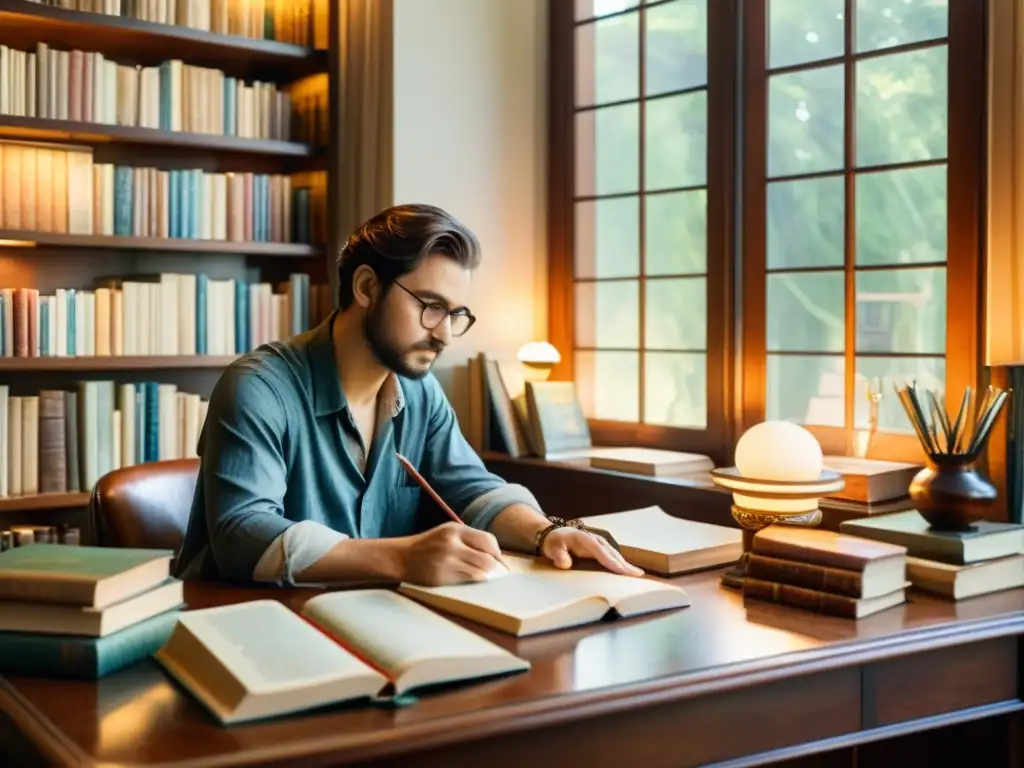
x,y
778,479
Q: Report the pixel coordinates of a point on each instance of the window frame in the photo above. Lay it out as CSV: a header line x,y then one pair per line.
x,y
736,216
716,438
965,162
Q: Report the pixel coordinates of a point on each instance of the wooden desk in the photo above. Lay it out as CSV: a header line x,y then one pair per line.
x,y
718,681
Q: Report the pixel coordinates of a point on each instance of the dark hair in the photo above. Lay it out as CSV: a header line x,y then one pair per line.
x,y
395,240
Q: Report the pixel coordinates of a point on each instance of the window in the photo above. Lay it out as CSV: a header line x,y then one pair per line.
x,y
644,260
784,194
851,159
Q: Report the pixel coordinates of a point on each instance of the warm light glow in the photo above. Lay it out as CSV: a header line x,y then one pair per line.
x,y
16,244
779,450
538,358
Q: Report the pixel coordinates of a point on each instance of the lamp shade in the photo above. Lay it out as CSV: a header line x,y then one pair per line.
x,y
538,358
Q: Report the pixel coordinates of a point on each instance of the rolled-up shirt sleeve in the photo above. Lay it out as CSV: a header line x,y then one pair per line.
x,y
244,471
458,474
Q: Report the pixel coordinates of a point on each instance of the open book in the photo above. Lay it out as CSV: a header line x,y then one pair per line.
x,y
537,597
259,659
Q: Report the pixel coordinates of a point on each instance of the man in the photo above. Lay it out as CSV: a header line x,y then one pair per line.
x,y
300,481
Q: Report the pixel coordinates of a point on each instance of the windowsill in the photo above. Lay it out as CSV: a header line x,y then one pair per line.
x,y
696,480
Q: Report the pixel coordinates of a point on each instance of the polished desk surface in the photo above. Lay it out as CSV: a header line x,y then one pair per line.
x,y
719,643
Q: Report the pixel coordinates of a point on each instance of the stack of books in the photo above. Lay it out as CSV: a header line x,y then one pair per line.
x,y
952,564
825,572
872,487
84,612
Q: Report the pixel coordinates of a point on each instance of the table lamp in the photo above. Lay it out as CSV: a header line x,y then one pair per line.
x,y
537,359
778,478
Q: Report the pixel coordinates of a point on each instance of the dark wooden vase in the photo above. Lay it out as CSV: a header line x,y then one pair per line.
x,y
951,494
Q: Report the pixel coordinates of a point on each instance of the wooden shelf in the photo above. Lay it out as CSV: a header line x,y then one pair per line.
x,y
71,131
114,363
44,501
124,36
20,237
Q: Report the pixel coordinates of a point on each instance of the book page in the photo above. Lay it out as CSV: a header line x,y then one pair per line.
x,y
292,654
519,595
392,631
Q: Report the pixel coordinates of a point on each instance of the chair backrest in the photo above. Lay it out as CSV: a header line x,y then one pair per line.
x,y
145,506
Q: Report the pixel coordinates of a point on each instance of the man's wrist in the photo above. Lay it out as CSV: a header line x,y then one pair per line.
x,y
517,526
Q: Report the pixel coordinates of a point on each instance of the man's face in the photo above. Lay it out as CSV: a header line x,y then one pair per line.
x,y
393,324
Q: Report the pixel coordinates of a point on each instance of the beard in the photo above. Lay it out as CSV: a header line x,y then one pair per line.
x,y
389,354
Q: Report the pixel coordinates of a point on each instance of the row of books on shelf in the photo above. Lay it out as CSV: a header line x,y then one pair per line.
x,y
165,313
25,535
868,565
300,22
85,86
62,190
63,441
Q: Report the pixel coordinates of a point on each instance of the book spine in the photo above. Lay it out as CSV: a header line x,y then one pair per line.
x,y
83,658
800,597
837,581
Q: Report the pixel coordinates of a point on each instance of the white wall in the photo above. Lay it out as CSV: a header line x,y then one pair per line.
x,y
470,128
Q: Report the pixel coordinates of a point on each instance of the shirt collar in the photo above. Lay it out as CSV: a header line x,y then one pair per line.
x,y
328,396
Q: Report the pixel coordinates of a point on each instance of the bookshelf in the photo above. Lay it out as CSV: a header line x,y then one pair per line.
x,y
34,128
195,229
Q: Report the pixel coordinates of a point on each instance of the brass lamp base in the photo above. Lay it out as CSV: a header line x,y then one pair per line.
x,y
771,502
752,522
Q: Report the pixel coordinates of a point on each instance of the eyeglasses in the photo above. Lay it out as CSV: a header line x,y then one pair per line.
x,y
434,313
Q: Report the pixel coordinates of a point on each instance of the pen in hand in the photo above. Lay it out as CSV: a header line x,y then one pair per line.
x,y
414,473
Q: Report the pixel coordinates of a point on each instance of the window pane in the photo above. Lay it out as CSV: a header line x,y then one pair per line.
x,y
800,31
676,314
677,141
806,312
807,389
805,223
805,121
677,46
608,60
902,311
901,216
676,229
928,372
608,385
608,150
608,238
884,23
675,389
608,314
902,106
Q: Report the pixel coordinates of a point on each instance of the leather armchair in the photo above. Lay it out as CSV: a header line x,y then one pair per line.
x,y
145,506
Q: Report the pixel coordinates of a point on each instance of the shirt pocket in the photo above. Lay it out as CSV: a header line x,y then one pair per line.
x,y
402,514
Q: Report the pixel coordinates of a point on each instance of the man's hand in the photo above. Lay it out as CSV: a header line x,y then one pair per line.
x,y
562,544
449,554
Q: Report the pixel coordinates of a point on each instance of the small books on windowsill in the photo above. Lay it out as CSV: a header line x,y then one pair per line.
x,y
825,572
660,543
649,461
536,597
259,659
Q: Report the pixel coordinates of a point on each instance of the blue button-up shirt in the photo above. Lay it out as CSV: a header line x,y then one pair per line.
x,y
280,447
